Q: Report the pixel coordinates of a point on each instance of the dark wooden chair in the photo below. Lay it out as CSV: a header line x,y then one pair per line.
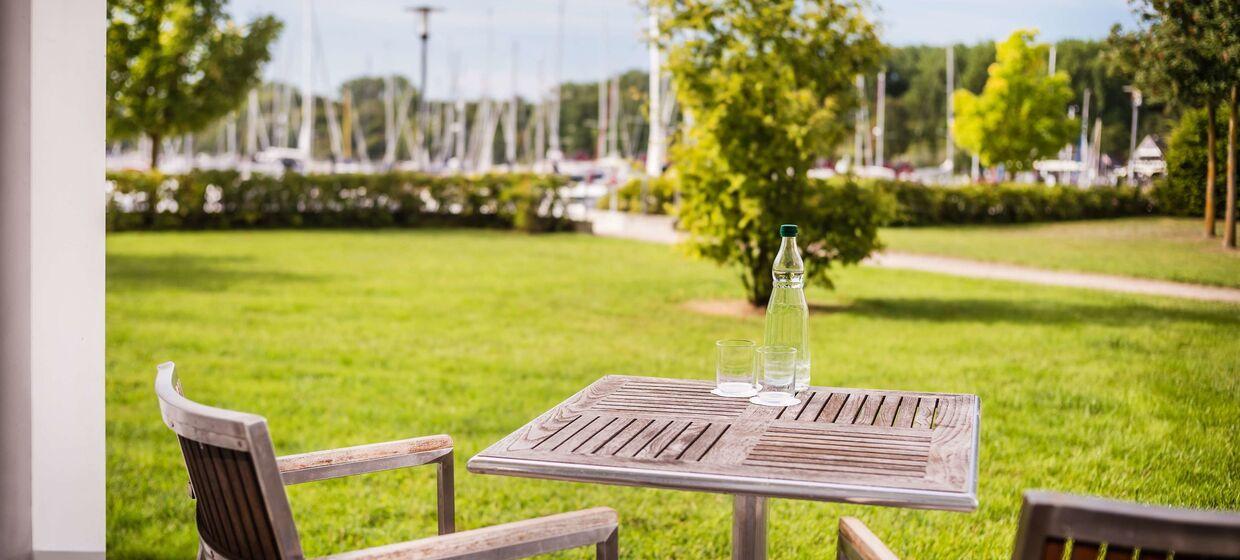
x,y
1054,526
243,512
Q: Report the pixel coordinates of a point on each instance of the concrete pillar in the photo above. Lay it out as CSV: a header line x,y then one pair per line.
x,y
52,96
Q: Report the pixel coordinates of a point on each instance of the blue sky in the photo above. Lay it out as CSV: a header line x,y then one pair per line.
x,y
600,36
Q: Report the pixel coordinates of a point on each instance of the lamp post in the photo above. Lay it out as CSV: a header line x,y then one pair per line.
x,y
1132,136
424,34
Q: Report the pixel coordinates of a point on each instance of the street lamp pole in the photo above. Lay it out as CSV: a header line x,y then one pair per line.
x,y
424,34
1132,135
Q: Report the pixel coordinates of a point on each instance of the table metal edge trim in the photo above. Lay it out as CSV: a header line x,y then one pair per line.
x,y
771,487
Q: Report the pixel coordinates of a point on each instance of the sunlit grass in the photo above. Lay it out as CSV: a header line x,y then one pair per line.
x,y
342,338
1160,248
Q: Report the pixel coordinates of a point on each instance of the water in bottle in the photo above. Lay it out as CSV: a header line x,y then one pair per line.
x,y
787,314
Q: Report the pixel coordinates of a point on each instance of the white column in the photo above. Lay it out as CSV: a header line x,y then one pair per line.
x,y
52,278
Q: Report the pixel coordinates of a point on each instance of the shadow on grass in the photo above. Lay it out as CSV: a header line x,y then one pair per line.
x,y
1033,310
178,271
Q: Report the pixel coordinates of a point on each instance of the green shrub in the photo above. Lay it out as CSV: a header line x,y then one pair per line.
x,y
223,199
916,204
660,196
1183,191
1007,203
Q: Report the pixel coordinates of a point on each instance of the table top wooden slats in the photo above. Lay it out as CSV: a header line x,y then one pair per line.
x,y
855,445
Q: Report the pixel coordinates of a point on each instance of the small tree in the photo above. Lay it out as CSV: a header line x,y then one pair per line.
x,y
768,86
1180,192
176,65
1177,55
1223,36
1020,115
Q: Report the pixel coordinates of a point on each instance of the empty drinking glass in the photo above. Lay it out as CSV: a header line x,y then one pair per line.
x,y
734,372
779,367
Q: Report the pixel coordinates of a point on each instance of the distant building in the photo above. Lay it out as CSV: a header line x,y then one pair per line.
x,y
1147,159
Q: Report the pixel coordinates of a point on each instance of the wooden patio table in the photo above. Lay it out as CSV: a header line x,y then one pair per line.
x,y
892,448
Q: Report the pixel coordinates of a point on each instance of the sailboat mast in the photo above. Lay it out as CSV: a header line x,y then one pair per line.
x,y
950,162
389,120
654,145
603,120
251,123
880,108
1084,147
510,123
858,123
555,154
613,126
305,138
346,122
601,145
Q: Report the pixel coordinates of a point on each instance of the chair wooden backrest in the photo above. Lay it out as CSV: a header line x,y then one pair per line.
x,y
242,509
1048,521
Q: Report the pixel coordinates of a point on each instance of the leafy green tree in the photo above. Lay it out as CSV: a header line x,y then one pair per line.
x,y
1020,115
176,65
1175,55
1180,192
1223,38
768,87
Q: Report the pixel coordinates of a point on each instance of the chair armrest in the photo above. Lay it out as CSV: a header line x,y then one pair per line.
x,y
347,461
520,539
857,542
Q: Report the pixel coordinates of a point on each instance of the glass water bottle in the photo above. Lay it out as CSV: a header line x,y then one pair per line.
x,y
787,314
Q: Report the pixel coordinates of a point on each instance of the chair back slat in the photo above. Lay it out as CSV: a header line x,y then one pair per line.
x,y
1054,549
231,509
1051,524
1115,552
242,511
1085,551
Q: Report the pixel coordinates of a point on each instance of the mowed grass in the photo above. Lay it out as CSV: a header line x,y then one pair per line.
x,y
1159,248
343,338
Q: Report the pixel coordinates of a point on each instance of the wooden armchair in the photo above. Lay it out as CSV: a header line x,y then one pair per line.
x,y
243,512
1053,525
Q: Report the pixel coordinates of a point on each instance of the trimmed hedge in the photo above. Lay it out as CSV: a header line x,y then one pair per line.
x,y
1009,203
924,205
660,194
223,200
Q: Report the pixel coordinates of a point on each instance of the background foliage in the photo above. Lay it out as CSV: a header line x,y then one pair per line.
x,y
224,199
1182,192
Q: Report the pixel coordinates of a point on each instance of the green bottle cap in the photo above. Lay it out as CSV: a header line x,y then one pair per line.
x,y
788,230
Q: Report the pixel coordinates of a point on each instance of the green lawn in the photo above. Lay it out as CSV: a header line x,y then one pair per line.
x,y
342,338
1160,248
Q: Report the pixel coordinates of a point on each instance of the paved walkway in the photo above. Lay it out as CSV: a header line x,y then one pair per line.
x,y
1015,273
659,229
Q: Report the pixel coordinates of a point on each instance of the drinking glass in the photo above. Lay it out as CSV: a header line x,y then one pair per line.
x,y
779,368
734,371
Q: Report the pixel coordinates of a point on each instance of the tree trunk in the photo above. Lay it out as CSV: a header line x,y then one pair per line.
x,y
156,140
1211,151
1229,223
759,282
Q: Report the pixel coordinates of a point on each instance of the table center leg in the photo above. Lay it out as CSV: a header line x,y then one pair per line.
x,y
748,527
